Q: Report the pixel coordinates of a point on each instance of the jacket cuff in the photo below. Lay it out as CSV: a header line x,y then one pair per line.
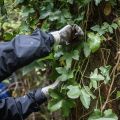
x,y
40,97
56,36
52,40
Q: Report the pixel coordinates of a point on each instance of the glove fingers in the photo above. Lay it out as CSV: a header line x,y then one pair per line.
x,y
78,30
67,27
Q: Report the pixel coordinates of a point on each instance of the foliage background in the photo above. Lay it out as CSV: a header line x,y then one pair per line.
x,y
89,68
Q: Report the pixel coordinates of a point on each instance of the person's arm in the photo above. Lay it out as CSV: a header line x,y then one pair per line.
x,y
22,50
19,108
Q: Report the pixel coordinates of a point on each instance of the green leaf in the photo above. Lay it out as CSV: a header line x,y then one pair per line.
x,y
68,63
70,1
105,26
74,92
95,115
70,74
85,98
75,55
95,76
66,107
65,73
118,22
89,92
95,28
55,105
97,2
94,41
6,81
55,94
118,94
98,29
69,56
66,13
114,25
44,15
61,70
26,11
107,115
110,29
18,2
94,84
86,49
55,15
105,72
58,54
105,69
8,35
63,77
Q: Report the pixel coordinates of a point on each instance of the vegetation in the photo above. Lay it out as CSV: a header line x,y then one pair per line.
x,y
89,68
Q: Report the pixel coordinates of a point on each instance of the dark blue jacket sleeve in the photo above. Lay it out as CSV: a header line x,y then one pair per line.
x,y
22,50
19,108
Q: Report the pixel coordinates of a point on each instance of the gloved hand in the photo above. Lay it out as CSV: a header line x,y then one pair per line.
x,y
46,89
67,34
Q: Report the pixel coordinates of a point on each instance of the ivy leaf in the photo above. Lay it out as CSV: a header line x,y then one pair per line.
x,y
55,94
85,98
105,26
61,70
95,76
26,11
55,15
107,115
55,105
75,55
65,74
63,77
66,107
70,1
94,41
68,63
98,29
86,49
18,2
105,72
110,29
105,69
110,115
44,15
58,54
89,92
69,56
118,94
95,28
95,115
114,25
94,84
118,22
97,2
74,92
